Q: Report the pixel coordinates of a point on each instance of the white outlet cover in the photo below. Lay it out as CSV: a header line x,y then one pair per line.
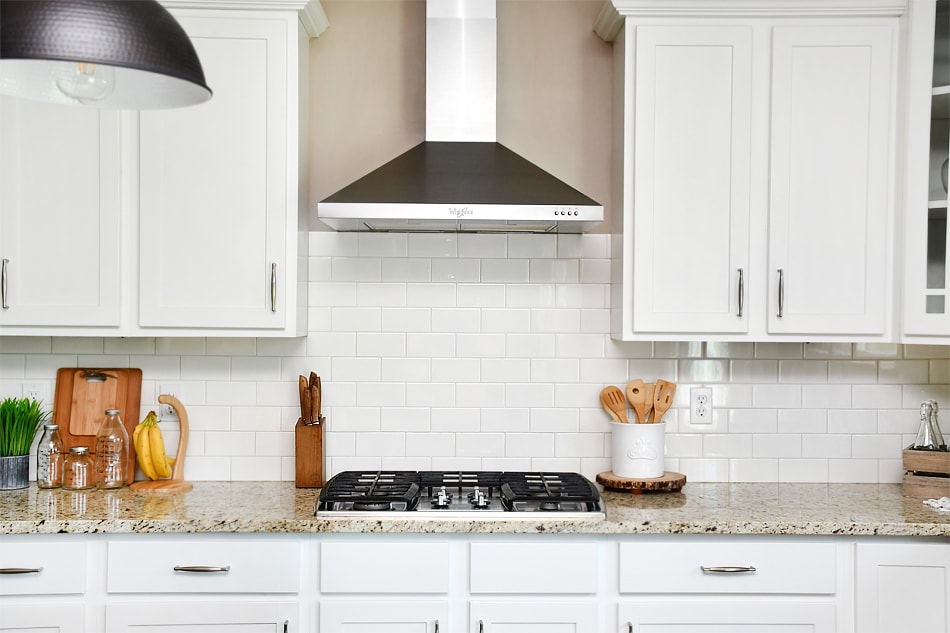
x,y
700,405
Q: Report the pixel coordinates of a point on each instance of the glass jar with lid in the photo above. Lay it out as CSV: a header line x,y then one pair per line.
x,y
79,469
49,458
112,442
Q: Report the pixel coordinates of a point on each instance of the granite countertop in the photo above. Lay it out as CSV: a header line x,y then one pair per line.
x,y
279,507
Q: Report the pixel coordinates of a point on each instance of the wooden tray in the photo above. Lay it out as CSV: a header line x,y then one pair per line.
x,y
669,482
83,395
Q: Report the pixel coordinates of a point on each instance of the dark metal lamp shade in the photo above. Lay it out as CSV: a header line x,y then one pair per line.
x,y
99,53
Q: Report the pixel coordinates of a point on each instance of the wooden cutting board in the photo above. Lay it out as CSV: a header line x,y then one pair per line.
x,y
81,401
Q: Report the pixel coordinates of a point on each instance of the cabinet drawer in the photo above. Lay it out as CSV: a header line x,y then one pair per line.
x,y
518,568
143,565
41,567
392,567
794,568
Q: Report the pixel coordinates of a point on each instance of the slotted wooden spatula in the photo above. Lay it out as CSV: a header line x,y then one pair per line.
x,y
662,399
613,402
637,395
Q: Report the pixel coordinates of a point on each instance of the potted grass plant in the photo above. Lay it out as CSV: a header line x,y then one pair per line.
x,y
20,420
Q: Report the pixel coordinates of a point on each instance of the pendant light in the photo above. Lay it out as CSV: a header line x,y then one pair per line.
x,y
98,53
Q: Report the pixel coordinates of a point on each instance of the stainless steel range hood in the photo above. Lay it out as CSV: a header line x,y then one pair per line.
x,y
460,179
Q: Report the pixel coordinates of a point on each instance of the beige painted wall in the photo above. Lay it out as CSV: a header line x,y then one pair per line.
x,y
368,90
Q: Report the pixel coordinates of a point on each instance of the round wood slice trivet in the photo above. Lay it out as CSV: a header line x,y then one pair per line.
x,y
669,482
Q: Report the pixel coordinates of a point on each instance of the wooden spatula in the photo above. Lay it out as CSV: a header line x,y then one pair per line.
x,y
662,399
637,395
613,402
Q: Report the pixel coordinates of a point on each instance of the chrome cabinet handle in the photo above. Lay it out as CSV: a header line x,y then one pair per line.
x,y
3,284
203,569
727,570
781,292
20,570
481,626
273,287
741,294
287,626
436,626
629,627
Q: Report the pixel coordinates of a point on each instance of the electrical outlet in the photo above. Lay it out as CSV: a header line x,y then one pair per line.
x,y
168,389
38,391
700,405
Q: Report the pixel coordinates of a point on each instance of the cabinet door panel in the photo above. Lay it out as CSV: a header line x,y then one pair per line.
x,y
48,618
403,616
903,587
59,214
692,169
213,192
830,184
201,617
534,617
717,616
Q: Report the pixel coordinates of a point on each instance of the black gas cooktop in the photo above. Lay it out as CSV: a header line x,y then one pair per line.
x,y
459,494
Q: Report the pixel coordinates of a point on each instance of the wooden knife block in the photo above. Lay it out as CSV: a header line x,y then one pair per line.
x,y
308,454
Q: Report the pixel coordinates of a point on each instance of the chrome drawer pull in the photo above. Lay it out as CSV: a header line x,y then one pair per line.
x,y
727,570
203,569
20,570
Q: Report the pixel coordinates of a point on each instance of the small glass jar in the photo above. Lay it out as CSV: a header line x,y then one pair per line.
x,y
49,458
112,452
78,469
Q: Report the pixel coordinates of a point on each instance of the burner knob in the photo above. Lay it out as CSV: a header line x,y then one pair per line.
x,y
442,500
478,499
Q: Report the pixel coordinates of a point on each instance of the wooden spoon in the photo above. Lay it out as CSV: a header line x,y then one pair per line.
x,y
637,395
648,389
662,399
613,402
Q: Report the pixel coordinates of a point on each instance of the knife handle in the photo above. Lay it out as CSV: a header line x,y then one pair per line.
x,y
305,403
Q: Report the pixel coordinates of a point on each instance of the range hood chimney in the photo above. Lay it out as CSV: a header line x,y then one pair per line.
x,y
460,179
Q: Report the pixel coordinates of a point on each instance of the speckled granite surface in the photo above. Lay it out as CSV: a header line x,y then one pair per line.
x,y
813,509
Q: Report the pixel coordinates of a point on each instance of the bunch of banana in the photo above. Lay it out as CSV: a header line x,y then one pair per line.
x,y
150,448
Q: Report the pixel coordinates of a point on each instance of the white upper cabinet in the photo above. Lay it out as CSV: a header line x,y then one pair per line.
x,y
219,196
181,222
59,215
754,167
830,178
926,274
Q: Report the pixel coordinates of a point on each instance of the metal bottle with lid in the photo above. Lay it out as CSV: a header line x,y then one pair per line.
x,y
49,458
112,451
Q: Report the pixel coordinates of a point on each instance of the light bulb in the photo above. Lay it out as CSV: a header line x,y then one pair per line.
x,y
86,82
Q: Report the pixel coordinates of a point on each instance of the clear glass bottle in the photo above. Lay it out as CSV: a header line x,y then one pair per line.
x,y
935,426
112,451
79,469
49,458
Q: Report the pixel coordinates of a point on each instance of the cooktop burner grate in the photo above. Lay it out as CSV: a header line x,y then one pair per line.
x,y
459,494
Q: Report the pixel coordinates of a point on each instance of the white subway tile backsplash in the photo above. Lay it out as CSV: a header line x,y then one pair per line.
x,y
489,351
456,270
408,270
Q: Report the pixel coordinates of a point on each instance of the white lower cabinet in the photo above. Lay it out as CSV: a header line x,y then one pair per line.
x,y
902,587
538,616
363,615
713,615
728,585
42,583
48,618
392,585
473,583
203,583
201,617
